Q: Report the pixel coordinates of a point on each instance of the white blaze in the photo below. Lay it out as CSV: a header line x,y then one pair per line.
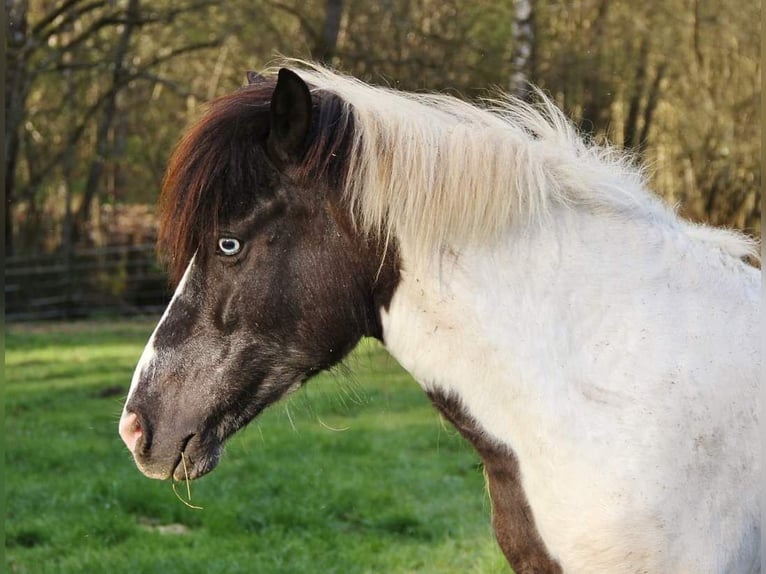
x,y
149,353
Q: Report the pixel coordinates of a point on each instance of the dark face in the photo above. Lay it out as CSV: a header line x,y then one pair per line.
x,y
284,290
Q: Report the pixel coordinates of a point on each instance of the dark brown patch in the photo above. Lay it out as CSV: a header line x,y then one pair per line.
x,y
512,517
217,170
381,263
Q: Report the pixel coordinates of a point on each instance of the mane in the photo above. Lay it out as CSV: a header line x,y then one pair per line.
x,y
220,170
432,170
426,169
207,171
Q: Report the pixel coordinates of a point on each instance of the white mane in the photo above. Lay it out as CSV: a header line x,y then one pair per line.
x,y
432,170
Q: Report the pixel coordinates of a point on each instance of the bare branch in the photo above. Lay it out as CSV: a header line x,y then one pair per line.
x,y
49,18
70,17
179,51
118,19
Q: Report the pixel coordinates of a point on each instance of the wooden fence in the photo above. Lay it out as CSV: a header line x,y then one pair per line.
x,y
125,280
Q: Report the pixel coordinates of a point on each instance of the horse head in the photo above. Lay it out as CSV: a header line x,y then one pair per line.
x,y
276,282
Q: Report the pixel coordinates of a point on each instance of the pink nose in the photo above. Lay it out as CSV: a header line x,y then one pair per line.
x,y
130,430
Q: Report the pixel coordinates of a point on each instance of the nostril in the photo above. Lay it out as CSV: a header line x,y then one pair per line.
x,y
130,430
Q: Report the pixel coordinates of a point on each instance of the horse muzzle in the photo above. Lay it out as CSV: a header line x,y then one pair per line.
x,y
177,454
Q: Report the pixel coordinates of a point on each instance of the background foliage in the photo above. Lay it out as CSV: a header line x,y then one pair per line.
x,y
98,91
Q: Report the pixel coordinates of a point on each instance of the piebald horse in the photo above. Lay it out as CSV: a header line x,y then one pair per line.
x,y
599,352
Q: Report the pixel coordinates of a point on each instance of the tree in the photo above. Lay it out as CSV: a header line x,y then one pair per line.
x,y
64,49
523,57
98,91
16,90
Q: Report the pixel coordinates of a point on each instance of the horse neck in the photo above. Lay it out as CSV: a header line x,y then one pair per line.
x,y
502,326
468,311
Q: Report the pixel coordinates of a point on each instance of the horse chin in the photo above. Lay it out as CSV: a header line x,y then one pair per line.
x,y
196,459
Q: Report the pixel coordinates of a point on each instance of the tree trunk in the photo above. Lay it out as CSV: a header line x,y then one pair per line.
x,y
638,123
119,80
651,103
328,41
631,137
16,90
523,56
595,112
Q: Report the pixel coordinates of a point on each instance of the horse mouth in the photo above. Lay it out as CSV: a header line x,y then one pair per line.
x,y
195,459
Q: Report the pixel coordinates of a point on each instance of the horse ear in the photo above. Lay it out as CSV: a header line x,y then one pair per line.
x,y
290,118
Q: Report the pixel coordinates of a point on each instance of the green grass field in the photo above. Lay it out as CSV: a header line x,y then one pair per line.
x,y
355,473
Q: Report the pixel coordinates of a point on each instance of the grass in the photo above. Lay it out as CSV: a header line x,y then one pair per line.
x,y
350,475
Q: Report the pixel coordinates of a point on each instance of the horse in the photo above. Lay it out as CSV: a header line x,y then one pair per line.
x,y
598,351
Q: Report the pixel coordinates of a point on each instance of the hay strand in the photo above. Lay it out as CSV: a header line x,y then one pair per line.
x,y
188,487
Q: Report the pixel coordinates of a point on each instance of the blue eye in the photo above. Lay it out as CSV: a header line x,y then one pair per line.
x,y
229,245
